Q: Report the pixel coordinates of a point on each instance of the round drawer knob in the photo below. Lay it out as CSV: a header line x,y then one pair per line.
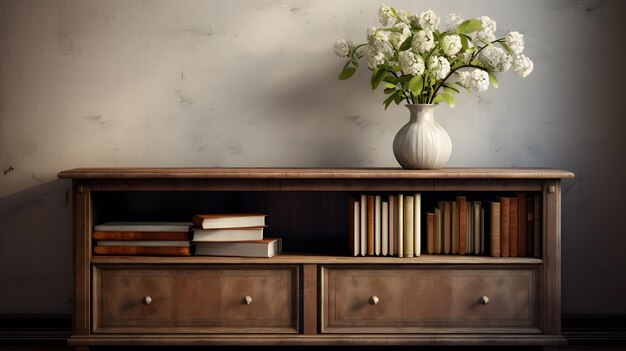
x,y
483,300
146,300
374,300
246,300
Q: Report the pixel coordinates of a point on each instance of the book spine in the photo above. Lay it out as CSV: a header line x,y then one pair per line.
x,y
469,232
363,225
400,236
377,225
530,226
455,227
477,226
494,229
482,231
353,223
462,204
409,202
513,227
447,230
538,227
132,235
385,228
370,225
438,230
392,225
142,250
504,226
430,233
417,228
521,225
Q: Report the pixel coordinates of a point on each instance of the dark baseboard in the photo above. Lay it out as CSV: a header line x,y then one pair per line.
x,y
579,329
588,329
35,327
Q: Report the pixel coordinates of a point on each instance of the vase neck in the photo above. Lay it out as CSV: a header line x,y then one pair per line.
x,y
421,112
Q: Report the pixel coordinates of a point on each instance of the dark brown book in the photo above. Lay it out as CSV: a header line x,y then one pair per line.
x,y
430,233
142,250
521,224
370,225
504,226
124,235
513,227
494,228
462,205
455,227
530,226
447,229
538,227
353,226
438,231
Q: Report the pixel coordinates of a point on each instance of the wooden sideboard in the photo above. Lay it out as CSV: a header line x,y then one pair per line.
x,y
315,293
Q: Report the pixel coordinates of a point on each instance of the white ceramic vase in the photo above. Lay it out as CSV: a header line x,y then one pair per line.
x,y
422,143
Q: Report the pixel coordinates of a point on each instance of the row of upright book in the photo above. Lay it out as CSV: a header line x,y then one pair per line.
x,y
385,225
391,225
206,235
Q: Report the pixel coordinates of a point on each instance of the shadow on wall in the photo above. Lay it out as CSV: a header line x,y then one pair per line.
x,y
36,250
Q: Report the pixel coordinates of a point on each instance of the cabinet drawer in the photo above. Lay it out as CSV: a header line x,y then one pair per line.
x,y
195,299
429,299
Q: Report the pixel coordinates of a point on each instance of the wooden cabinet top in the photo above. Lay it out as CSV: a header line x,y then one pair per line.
x,y
314,173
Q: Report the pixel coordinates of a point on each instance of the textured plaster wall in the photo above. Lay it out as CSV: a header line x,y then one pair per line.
x,y
253,83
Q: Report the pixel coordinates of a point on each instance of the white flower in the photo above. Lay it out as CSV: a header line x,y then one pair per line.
x,y
487,32
374,57
423,41
414,18
451,44
429,21
385,15
495,58
411,63
404,16
438,66
515,41
523,66
478,80
396,39
343,47
452,21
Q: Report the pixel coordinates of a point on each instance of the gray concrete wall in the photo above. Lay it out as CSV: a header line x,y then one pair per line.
x,y
253,83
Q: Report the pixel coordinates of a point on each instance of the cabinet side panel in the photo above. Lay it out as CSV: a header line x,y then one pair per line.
x,y
551,315
82,255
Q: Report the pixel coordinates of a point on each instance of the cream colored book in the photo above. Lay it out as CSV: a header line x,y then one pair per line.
x,y
409,202
355,230
417,224
494,229
385,229
377,225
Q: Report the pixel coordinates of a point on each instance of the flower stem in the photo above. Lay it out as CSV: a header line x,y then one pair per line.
x,y
432,97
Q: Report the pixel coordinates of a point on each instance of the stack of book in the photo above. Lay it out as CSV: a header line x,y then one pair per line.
x,y
143,238
233,235
385,225
456,227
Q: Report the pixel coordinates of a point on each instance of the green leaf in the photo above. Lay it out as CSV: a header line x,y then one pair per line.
x,y
493,80
355,63
399,98
346,73
464,43
506,47
449,99
438,98
416,84
389,100
469,26
377,77
389,78
389,90
464,87
390,85
406,44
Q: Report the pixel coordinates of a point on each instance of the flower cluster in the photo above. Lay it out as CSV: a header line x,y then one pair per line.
x,y
419,63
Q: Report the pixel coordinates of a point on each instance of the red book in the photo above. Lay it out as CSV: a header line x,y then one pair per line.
x,y
142,250
537,231
462,205
521,224
504,226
